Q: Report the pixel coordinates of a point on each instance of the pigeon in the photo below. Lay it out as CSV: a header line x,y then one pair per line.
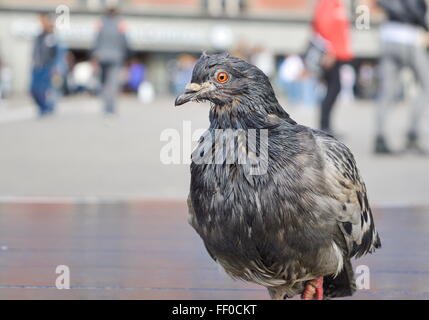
x,y
276,203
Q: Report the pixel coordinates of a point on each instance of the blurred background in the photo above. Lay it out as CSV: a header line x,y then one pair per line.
x,y
87,91
165,34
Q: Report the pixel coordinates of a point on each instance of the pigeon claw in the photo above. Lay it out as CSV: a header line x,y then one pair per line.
x,y
313,290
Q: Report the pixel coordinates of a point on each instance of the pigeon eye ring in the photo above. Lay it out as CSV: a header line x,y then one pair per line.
x,y
222,77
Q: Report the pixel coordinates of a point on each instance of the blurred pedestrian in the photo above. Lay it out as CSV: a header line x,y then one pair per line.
x,y
367,81
298,83
183,72
290,72
84,77
136,75
404,40
331,24
264,59
348,83
46,67
5,80
110,51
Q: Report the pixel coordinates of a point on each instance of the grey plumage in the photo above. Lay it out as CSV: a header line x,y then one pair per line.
x,y
306,217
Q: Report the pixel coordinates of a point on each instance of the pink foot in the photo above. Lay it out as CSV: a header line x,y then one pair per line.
x,y
313,289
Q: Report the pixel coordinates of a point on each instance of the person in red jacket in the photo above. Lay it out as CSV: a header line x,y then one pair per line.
x,y
331,23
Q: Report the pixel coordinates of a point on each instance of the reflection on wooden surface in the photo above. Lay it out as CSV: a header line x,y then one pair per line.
x,y
146,250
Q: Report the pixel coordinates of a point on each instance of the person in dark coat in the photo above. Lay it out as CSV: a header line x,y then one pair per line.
x,y
46,65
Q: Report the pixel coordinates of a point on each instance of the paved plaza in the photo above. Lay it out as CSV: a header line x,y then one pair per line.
x,y
80,153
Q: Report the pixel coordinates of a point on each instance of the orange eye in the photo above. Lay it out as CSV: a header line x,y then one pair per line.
x,y
222,77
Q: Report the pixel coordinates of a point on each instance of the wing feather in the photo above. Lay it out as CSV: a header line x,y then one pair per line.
x,y
348,190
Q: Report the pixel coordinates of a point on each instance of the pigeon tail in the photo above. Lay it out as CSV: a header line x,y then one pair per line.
x,y
342,285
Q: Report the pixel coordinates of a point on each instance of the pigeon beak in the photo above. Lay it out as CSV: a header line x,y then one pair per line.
x,y
191,92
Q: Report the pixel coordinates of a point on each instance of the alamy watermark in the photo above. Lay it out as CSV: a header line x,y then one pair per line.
x,y
362,277
363,17
63,280
62,17
247,148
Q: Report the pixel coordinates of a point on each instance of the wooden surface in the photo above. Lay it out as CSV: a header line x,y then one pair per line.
x,y
146,250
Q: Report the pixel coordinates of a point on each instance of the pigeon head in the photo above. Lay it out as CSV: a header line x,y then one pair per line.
x,y
223,79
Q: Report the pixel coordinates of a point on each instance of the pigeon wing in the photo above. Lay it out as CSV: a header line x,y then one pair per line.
x,y
348,192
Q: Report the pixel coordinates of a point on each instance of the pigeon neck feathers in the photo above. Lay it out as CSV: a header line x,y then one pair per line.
x,y
249,112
